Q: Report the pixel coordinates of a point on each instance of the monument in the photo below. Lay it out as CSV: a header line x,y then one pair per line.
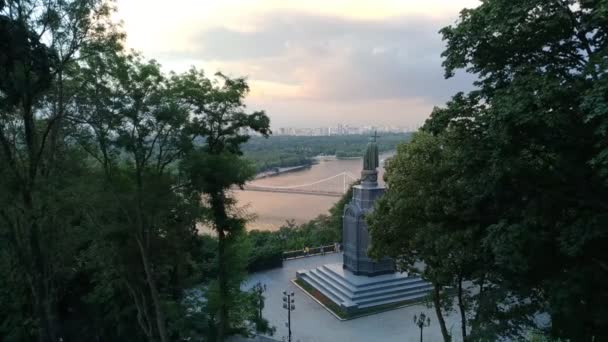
x,y
355,237
361,283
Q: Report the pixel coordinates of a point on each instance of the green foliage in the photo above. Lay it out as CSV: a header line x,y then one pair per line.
x,y
285,151
98,222
212,169
337,211
314,233
506,187
268,246
135,141
44,184
540,337
266,251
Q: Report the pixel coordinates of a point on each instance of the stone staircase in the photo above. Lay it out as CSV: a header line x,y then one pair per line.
x,y
354,293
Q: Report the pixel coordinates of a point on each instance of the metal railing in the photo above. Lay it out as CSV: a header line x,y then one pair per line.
x,y
321,250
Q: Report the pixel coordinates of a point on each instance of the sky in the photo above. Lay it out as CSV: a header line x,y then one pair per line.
x,y
309,63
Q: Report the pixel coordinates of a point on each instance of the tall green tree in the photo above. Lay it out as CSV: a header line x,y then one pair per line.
x,y
98,234
430,222
40,40
133,126
526,153
538,119
407,224
223,125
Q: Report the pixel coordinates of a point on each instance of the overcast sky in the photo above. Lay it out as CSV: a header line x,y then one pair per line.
x,y
309,63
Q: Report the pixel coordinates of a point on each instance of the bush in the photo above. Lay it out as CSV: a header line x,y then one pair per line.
x,y
265,258
267,247
266,253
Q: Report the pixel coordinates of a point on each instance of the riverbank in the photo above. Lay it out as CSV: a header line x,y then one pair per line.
x,y
288,151
348,158
270,210
324,157
282,170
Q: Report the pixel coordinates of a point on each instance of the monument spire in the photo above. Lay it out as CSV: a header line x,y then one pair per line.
x,y
369,174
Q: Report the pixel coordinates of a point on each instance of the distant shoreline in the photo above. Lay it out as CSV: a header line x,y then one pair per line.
x,y
348,158
282,170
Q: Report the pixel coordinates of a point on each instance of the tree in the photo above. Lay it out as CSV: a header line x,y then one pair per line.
x,y
430,221
524,181
216,166
337,211
525,176
412,221
98,233
40,41
132,124
538,124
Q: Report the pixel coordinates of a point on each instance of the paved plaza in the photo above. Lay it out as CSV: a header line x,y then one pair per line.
x,y
313,323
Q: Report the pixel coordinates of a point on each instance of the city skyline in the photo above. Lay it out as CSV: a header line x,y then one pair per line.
x,y
309,63
342,129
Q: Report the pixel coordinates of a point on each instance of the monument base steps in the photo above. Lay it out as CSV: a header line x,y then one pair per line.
x,y
354,293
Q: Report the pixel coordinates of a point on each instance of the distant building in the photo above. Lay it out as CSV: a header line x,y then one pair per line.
x,y
341,129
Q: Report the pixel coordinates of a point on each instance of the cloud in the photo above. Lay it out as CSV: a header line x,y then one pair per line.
x,y
337,58
402,112
324,62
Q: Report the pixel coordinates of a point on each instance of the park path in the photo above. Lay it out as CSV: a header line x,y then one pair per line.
x,y
312,323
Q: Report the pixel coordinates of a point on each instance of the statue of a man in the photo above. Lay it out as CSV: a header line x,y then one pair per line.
x,y
370,158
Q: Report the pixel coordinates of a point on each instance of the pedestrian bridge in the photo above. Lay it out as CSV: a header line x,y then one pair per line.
x,y
336,186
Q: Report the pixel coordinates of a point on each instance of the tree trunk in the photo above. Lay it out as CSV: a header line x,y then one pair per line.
x,y
143,250
158,310
463,313
437,303
41,293
218,207
223,287
36,263
42,296
46,333
143,318
480,300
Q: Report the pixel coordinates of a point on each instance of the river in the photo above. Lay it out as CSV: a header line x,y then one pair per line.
x,y
270,210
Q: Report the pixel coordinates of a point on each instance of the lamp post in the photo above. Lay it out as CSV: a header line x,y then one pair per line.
x,y
259,290
289,305
422,322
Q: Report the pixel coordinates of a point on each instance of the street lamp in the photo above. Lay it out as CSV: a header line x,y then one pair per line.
x,y
259,290
289,305
422,321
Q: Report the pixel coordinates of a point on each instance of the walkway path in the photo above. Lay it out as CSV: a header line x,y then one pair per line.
x,y
312,323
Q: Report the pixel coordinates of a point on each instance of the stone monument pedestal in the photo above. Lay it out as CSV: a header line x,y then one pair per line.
x,y
355,236
354,292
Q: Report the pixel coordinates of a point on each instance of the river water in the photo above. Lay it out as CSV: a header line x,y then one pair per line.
x,y
270,210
